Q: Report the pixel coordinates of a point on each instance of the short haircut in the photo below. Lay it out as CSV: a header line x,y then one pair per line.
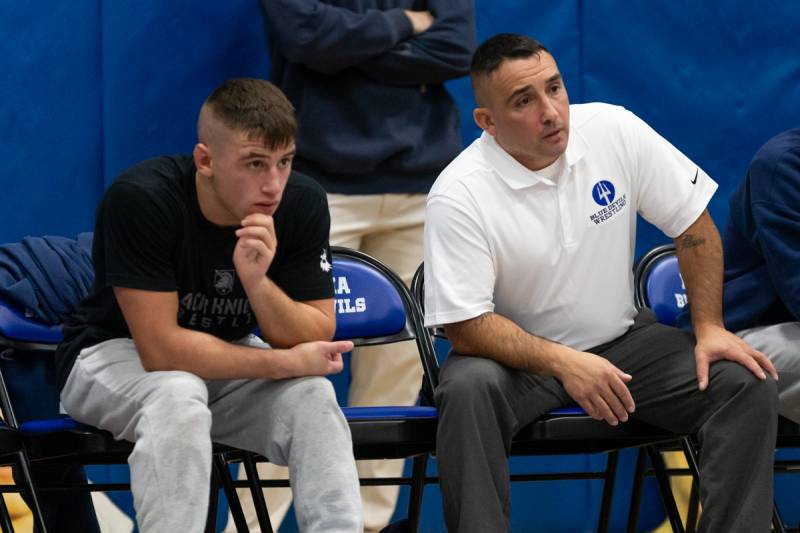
x,y
255,107
492,52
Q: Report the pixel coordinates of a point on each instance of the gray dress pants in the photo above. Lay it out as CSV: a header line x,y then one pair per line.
x,y
482,404
781,343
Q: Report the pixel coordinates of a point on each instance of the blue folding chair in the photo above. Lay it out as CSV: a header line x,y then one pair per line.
x,y
659,286
374,307
12,453
30,404
570,431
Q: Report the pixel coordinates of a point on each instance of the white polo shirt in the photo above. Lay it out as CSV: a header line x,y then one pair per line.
x,y
554,254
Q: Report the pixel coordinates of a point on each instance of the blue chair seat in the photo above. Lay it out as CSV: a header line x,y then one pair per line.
x,y
389,412
50,425
15,326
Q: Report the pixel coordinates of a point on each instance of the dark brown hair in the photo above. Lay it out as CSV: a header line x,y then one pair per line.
x,y
492,52
257,108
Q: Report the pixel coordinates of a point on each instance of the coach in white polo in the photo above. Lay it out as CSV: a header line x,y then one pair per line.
x,y
529,244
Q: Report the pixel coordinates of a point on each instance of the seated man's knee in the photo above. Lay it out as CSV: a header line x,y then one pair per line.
x,y
313,394
179,405
733,382
468,380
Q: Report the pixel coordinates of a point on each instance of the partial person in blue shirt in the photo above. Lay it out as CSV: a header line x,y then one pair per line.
x,y
762,262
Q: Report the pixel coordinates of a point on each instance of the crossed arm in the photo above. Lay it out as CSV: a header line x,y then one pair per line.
x,y
394,46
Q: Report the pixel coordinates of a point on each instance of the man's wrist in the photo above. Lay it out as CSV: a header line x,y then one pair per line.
x,y
562,361
703,328
260,287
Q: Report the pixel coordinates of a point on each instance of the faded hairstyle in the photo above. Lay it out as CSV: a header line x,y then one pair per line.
x,y
492,52
255,107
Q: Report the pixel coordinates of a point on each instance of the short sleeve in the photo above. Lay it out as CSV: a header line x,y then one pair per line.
x,y
304,270
672,192
459,270
138,232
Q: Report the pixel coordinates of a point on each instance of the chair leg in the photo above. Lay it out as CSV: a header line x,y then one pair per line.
x,y
690,452
608,491
694,508
213,501
418,470
258,495
221,468
664,488
30,489
5,517
636,490
777,521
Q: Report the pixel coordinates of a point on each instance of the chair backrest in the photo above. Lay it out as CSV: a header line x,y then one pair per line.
x,y
369,306
374,306
658,284
418,292
28,388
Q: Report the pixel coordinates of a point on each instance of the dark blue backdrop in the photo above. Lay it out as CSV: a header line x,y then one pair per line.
x,y
91,87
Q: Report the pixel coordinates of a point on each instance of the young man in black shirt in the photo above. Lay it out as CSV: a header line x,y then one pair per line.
x,y
191,255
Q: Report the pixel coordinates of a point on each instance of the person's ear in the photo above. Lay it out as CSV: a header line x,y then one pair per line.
x,y
483,118
202,160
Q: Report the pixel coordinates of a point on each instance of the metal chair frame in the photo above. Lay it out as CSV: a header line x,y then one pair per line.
x,y
63,440
788,432
377,432
571,431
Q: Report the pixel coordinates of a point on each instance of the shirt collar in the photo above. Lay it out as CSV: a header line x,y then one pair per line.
x,y
514,173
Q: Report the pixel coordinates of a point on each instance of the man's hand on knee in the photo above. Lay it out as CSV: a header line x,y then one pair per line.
x,y
717,344
598,387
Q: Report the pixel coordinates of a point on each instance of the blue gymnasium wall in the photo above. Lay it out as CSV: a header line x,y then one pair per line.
x,y
90,87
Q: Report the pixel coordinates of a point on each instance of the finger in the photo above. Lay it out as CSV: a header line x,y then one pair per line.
x,y
336,367
604,412
702,372
624,394
339,346
588,406
614,403
257,232
624,376
258,219
750,364
765,363
254,245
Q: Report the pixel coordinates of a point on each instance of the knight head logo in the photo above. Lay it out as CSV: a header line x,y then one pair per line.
x,y
603,192
223,281
324,264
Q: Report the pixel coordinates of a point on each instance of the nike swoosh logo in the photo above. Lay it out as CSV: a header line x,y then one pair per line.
x,y
695,176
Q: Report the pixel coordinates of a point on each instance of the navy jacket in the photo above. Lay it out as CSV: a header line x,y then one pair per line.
x,y
374,115
762,239
46,277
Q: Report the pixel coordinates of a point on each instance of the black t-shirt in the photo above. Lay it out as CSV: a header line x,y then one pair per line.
x,y
150,234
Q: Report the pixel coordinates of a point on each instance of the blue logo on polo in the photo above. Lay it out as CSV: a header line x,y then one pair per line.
x,y
603,192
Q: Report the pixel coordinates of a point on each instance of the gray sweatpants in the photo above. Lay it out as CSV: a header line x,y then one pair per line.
x,y
781,343
173,416
482,404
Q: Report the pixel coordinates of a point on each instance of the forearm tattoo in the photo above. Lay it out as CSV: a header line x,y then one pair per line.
x,y
689,241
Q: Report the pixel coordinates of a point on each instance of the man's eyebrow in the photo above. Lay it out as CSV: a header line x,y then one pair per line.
x,y
518,92
250,155
263,155
522,90
553,78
